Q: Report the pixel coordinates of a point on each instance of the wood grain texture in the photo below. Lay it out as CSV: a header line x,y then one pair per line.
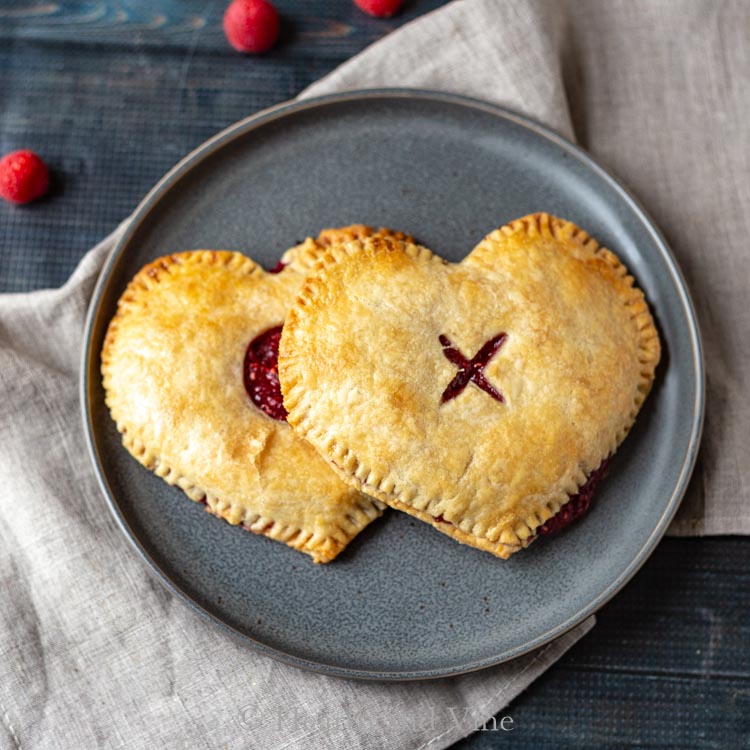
x,y
667,665
323,28
112,94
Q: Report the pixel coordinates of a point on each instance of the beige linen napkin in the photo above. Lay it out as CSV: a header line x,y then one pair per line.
x,y
93,653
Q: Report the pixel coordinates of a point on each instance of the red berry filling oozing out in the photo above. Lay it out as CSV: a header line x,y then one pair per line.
x,y
578,505
575,508
261,374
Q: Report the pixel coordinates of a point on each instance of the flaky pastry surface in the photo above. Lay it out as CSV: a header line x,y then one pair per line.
x,y
172,372
364,373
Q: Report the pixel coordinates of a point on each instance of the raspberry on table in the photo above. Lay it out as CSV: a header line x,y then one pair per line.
x,y
379,8
24,177
251,25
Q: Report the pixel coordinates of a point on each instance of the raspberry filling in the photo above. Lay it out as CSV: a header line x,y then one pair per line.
x,y
575,508
578,505
278,268
260,373
471,370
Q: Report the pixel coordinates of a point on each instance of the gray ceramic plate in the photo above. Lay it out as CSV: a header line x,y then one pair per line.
x,y
404,601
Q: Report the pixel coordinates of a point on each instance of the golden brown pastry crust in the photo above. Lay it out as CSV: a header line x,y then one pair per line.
x,y
303,257
172,372
362,372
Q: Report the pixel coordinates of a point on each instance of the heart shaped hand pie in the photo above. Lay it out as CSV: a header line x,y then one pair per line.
x,y
475,396
173,364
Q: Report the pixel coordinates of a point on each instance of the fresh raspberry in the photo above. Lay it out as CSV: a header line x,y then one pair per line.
x,y
251,25
23,177
379,8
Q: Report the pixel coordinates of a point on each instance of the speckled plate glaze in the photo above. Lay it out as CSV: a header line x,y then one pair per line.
x,y
403,601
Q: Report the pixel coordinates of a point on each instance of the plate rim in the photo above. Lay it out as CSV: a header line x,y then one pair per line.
x,y
242,128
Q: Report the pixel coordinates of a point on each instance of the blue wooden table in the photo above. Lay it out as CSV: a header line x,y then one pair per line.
x,y
112,94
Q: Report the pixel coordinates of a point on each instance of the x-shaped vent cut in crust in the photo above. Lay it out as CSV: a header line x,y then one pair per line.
x,y
471,370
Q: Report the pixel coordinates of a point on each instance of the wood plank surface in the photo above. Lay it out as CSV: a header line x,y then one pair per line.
x,y
112,94
666,666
